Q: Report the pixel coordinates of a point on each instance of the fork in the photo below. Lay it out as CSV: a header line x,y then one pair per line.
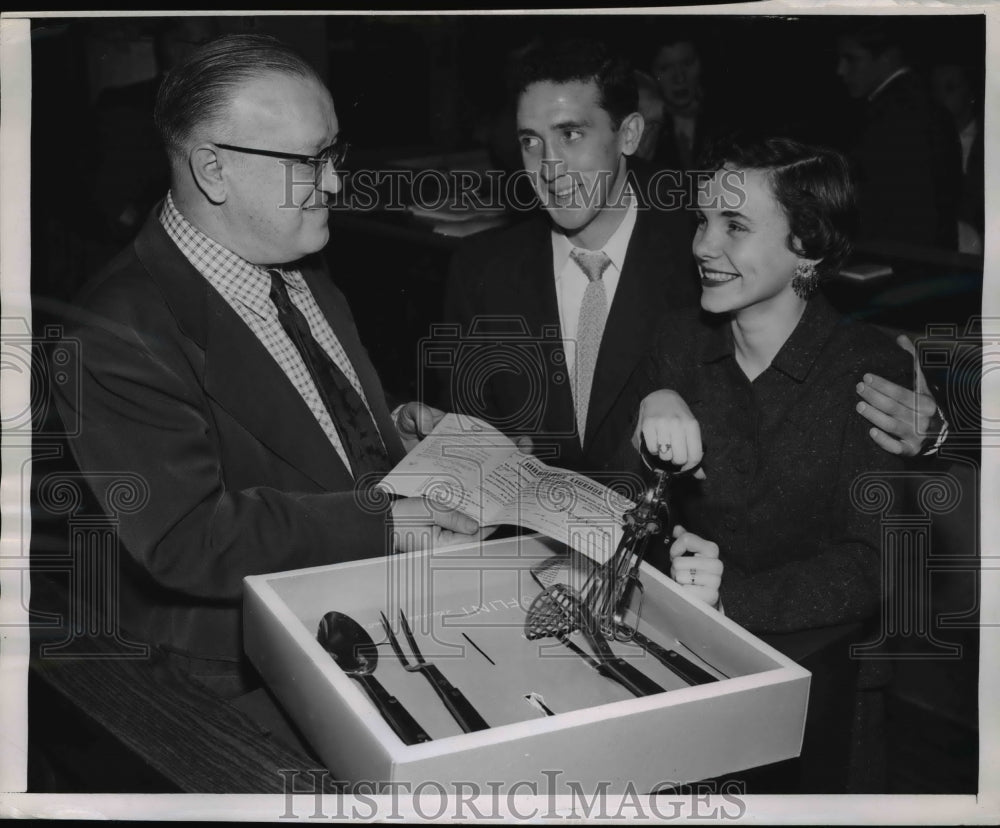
x,y
460,708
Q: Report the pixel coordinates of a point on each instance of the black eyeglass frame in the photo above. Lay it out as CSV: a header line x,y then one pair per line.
x,y
334,154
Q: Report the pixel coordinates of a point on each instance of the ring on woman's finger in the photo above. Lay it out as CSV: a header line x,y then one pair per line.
x,y
663,448
693,572
692,577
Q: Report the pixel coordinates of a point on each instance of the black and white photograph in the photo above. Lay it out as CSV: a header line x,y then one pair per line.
x,y
499,416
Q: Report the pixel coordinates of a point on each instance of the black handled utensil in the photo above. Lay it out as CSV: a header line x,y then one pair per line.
x,y
460,708
356,654
682,667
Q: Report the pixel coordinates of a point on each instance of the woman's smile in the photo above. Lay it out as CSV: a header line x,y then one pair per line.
x,y
714,278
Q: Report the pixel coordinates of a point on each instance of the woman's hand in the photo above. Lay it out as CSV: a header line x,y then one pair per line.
x,y
699,572
669,430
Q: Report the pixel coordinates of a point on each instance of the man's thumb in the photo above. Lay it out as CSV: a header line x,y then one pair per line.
x,y
456,522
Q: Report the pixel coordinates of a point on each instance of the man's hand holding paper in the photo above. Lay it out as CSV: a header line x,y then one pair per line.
x,y
467,465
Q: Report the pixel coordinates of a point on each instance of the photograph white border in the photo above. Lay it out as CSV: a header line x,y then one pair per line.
x,y
15,193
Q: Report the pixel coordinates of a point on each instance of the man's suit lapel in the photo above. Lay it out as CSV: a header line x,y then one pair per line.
x,y
536,292
530,281
244,379
631,319
240,374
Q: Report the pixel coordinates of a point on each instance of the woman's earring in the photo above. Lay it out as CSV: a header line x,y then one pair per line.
x,y
805,281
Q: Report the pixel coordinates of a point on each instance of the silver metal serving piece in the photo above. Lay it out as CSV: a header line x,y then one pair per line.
x,y
547,617
607,590
557,611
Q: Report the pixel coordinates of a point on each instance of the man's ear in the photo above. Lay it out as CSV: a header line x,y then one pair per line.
x,y
206,169
630,133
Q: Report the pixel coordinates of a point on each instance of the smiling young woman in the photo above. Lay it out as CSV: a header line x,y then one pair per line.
x,y
764,380
772,529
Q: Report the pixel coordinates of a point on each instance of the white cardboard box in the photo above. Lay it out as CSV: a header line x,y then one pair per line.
x,y
600,733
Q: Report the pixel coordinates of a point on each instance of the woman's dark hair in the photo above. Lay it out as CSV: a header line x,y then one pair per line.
x,y
582,60
199,89
812,184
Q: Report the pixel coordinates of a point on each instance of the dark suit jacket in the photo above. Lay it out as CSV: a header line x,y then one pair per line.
x,y
508,365
175,388
782,454
909,165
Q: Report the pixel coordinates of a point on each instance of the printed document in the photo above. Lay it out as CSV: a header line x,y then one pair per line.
x,y
468,465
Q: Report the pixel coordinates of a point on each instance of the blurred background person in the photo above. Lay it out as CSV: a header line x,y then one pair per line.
x,y
690,119
652,108
903,147
954,86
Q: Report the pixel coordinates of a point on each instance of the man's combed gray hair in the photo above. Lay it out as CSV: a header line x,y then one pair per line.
x,y
198,90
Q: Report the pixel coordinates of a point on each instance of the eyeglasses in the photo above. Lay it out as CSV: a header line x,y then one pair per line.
x,y
334,154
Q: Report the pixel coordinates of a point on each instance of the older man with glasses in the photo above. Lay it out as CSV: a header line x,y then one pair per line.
x,y
219,363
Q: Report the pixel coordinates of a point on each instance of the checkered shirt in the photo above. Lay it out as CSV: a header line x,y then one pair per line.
x,y
246,288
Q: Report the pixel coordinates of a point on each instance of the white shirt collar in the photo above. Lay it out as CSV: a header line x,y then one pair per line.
x,y
615,247
229,273
901,71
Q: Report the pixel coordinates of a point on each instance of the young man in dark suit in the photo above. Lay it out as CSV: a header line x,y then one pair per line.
x,y
222,369
540,362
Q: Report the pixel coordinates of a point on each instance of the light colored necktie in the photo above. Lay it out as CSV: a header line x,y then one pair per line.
x,y
590,329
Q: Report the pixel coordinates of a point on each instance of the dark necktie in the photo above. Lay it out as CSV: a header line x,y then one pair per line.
x,y
354,423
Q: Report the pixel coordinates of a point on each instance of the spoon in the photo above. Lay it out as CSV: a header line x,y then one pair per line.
x,y
352,648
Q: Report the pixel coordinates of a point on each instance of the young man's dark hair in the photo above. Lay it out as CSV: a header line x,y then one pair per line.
x,y
584,60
